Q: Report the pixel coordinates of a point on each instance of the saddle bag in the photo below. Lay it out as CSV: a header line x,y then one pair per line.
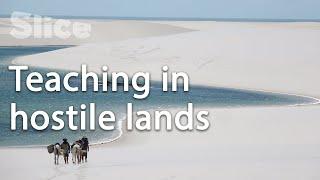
x,y
50,148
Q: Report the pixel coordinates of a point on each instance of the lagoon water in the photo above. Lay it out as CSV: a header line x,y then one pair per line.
x,y
115,101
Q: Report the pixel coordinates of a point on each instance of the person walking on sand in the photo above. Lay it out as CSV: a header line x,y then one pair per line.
x,y
85,148
66,150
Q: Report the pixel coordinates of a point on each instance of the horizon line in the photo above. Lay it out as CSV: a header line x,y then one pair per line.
x,y
234,19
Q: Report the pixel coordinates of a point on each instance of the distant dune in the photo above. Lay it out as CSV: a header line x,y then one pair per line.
x,y
101,31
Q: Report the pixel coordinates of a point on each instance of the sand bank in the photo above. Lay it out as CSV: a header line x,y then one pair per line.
x,y
101,31
244,143
227,55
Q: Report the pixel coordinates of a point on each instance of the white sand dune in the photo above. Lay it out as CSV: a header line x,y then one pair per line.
x,y
227,55
242,143
101,31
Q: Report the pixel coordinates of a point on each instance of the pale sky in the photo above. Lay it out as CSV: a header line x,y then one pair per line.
x,y
265,9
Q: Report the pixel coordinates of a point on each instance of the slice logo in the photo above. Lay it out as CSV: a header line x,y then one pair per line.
x,y
26,25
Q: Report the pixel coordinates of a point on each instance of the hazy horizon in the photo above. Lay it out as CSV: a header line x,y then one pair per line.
x,y
183,9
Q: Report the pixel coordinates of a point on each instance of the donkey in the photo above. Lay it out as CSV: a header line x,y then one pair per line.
x,y
57,152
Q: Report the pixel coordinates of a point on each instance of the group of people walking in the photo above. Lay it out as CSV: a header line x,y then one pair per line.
x,y
79,150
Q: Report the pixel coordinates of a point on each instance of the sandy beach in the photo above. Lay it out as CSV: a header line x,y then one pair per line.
x,y
242,143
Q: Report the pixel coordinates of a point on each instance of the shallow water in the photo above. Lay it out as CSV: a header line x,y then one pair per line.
x,y
114,101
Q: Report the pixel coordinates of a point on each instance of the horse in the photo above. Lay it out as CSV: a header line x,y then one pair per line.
x,y
57,152
76,153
